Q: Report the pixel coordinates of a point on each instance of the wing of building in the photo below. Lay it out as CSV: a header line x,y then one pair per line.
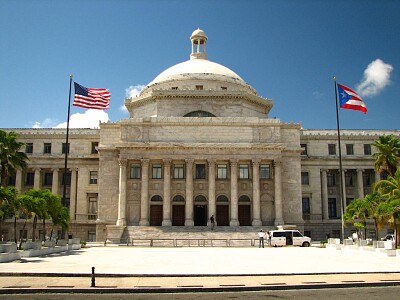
x,y
198,143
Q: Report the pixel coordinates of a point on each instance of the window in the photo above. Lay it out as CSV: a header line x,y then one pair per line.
x,y
304,149
48,179
349,179
135,172
265,172
367,149
348,200
222,172
200,171
332,213
331,179
332,149
91,236
244,198
30,178
93,177
178,198
156,198
368,178
174,88
305,179
349,149
179,171
65,148
199,87
66,178
94,147
47,148
92,209
222,198
199,113
306,208
157,171
224,88
29,148
244,171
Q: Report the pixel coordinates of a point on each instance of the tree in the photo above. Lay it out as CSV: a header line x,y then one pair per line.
x,y
386,159
389,209
8,197
356,212
10,156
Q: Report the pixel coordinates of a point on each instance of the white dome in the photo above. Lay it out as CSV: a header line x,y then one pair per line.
x,y
195,66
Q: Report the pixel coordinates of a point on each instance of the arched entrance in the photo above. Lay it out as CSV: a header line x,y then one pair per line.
x,y
156,211
222,213
178,211
244,211
200,211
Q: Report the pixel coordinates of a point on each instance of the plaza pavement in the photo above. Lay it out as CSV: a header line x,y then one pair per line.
x,y
121,268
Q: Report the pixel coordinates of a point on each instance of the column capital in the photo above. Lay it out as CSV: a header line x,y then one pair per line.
x,y
122,162
73,169
36,169
189,161
145,161
277,162
233,162
167,162
256,162
360,170
324,170
211,163
55,169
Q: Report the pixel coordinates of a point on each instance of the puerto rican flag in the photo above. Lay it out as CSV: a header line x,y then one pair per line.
x,y
350,99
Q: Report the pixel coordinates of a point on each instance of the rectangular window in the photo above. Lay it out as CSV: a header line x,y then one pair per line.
x,y
179,171
265,172
348,200
304,149
332,213
65,148
92,208
30,178
332,149
135,172
94,147
368,179
224,88
47,148
48,179
199,87
331,179
349,179
349,149
243,171
157,171
66,178
222,171
93,177
200,171
91,236
305,178
306,208
29,148
174,88
367,149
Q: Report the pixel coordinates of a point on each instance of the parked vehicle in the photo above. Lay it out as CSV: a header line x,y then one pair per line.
x,y
288,237
388,237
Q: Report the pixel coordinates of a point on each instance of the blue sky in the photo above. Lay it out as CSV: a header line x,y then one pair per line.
x,y
287,50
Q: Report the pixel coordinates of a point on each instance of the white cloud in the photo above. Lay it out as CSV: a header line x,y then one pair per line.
x,y
46,123
376,78
89,119
134,90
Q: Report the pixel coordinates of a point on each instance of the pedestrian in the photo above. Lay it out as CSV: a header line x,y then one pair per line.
x,y
267,238
212,221
261,236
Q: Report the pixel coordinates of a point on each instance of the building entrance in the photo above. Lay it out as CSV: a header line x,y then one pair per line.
x,y
222,215
156,215
244,215
178,215
200,215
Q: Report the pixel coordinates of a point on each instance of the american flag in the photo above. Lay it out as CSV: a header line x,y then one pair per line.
x,y
96,98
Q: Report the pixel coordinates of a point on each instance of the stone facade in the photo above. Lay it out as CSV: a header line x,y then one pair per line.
x,y
198,142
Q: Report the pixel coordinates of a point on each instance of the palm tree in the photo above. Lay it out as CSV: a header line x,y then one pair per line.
x,y
386,159
389,209
356,213
10,156
372,201
7,199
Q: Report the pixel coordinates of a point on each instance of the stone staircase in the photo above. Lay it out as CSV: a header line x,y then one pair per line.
x,y
192,235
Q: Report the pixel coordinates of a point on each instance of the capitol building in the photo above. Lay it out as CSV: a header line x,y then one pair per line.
x,y
199,142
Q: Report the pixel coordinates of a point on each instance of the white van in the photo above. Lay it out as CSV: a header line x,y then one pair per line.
x,y
288,237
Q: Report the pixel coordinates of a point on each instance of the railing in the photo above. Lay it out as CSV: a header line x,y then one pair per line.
x,y
190,242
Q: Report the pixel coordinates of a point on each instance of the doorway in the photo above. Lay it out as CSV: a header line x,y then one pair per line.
x,y
244,215
200,215
222,215
178,215
156,215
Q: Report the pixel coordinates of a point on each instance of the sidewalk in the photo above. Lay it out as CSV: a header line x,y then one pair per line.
x,y
188,269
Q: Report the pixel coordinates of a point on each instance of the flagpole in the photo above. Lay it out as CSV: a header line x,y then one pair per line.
x,y
64,202
341,195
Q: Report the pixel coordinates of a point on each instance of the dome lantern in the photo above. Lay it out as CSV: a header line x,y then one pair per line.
x,y
198,40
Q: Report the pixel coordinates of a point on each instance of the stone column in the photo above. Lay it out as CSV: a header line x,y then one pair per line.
x,y
167,194
278,193
234,193
377,176
189,193
72,193
324,188
18,180
36,180
360,184
144,194
121,221
211,190
54,185
344,189
256,194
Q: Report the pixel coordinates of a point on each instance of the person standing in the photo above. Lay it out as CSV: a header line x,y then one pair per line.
x,y
261,236
212,221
